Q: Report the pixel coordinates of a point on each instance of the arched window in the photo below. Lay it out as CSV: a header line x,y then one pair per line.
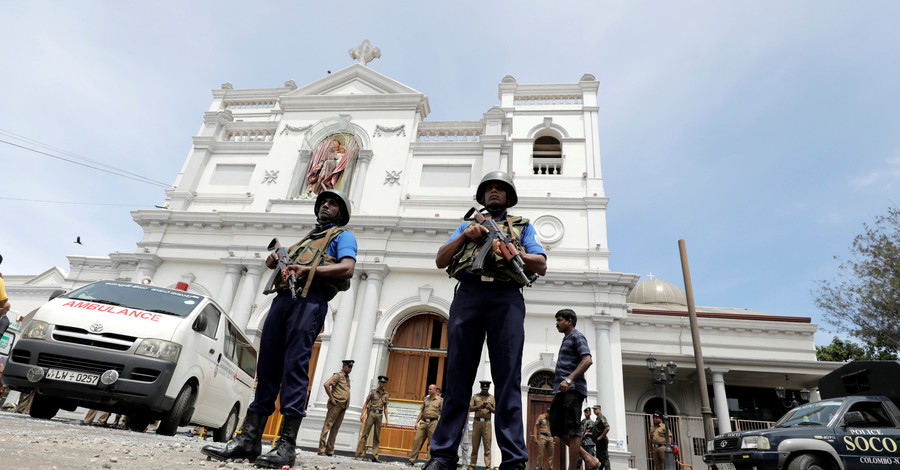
x,y
546,156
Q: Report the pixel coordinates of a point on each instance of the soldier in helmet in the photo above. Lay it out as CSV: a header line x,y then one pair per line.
x,y
488,305
324,260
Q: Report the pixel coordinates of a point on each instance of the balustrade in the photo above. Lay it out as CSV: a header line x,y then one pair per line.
x,y
449,135
547,166
547,100
250,104
256,135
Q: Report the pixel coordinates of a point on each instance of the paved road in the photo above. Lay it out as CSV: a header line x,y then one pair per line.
x,y
64,444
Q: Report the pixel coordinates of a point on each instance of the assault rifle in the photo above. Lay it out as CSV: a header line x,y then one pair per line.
x,y
283,262
507,248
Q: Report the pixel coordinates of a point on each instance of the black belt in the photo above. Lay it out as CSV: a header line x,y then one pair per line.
x,y
482,419
428,420
545,434
375,411
659,445
476,279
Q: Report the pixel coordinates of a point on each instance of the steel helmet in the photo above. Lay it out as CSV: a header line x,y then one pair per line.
x,y
502,177
340,196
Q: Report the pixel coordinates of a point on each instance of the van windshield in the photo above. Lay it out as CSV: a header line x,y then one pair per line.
x,y
138,296
817,413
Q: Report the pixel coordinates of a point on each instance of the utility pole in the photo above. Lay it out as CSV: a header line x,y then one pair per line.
x,y
705,410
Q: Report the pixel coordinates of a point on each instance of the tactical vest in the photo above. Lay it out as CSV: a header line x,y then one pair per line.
x,y
305,252
494,266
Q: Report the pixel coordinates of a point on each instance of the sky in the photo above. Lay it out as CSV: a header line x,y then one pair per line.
x,y
763,133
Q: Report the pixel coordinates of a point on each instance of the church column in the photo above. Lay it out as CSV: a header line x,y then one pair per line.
x,y
298,183
230,282
147,266
602,358
340,335
243,306
365,329
720,398
362,169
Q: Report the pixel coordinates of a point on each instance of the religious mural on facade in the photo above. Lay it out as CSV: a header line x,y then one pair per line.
x,y
331,163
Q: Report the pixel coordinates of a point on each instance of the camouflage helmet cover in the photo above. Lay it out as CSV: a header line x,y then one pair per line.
x,y
499,176
340,196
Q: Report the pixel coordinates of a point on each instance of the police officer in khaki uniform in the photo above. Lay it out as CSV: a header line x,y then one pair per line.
x,y
544,441
376,407
338,389
658,441
483,405
427,421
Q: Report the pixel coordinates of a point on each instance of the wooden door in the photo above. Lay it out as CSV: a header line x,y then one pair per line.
x,y
418,355
539,398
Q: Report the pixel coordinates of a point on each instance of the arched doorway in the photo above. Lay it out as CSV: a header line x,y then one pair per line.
x,y
656,404
673,424
540,394
417,358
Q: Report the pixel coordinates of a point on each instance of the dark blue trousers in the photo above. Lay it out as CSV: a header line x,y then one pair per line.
x,y
482,310
286,344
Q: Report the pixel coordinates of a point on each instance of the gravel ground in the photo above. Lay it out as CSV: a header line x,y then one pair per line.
x,y
63,443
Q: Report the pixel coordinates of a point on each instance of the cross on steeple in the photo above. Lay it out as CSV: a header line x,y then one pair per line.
x,y
365,52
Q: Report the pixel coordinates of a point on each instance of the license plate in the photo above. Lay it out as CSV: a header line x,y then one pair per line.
x,y
76,377
725,466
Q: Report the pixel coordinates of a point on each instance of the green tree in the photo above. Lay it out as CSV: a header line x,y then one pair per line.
x,y
845,351
864,298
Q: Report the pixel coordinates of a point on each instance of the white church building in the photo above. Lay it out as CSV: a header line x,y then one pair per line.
x,y
251,175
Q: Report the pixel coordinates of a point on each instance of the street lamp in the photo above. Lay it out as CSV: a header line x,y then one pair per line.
x,y
665,375
791,401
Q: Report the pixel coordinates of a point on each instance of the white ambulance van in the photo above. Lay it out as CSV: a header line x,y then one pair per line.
x,y
144,351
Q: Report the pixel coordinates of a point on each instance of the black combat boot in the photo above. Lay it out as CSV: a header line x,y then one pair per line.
x,y
246,445
283,452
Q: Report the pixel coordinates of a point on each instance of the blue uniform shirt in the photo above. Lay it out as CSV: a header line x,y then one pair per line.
x,y
573,347
343,246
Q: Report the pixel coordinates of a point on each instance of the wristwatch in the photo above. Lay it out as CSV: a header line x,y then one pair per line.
x,y
568,381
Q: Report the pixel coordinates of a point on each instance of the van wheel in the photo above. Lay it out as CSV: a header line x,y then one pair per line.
x,y
225,433
43,407
170,422
808,462
137,423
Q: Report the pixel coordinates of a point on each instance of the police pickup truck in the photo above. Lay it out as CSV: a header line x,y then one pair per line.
x,y
856,425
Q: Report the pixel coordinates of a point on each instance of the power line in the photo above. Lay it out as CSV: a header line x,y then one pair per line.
x,y
64,152
70,202
115,171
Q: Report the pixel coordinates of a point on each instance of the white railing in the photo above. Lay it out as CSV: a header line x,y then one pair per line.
x,y
547,165
254,135
687,433
448,135
547,100
250,104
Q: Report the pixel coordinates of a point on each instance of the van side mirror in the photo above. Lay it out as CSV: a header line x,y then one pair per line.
x,y
200,323
853,419
56,293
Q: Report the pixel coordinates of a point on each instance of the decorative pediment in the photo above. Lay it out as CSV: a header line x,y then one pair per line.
x,y
355,79
355,87
52,277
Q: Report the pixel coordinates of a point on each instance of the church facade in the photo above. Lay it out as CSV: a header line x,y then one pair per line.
x,y
261,155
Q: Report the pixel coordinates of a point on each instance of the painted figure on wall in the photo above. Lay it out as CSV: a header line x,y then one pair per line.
x,y
328,162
